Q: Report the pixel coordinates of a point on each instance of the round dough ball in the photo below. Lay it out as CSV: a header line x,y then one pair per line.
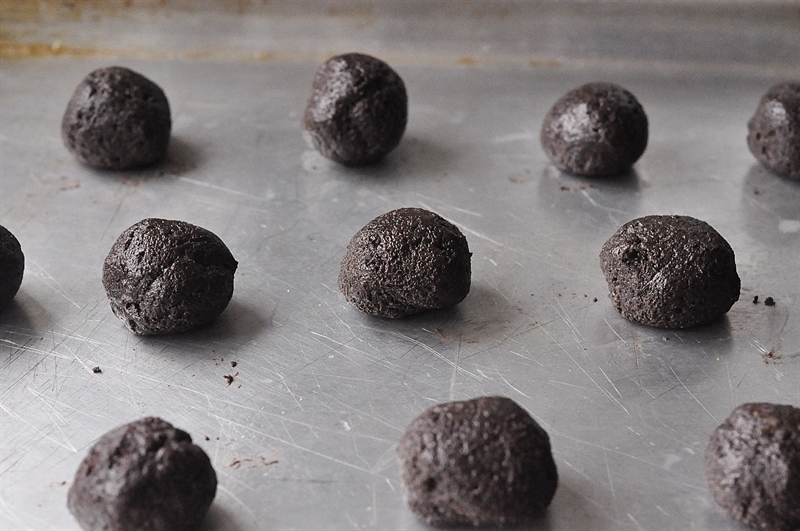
x,y
12,265
163,276
357,111
752,466
670,272
596,129
146,475
406,261
117,120
483,462
774,130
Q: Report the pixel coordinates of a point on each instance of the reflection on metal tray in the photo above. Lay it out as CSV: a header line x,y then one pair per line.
x,y
302,430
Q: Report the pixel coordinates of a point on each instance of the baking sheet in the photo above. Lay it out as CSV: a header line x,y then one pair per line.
x,y
303,436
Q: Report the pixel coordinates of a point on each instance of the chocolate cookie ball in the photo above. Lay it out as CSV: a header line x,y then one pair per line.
x,y
163,276
358,110
12,265
404,262
483,462
117,120
670,272
774,130
752,465
596,129
146,475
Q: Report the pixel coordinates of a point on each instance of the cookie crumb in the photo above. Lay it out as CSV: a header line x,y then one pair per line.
x,y
755,299
228,378
234,363
769,301
97,370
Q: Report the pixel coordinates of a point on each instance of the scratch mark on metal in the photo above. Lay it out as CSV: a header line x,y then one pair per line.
x,y
602,390
435,353
215,187
66,446
455,369
236,499
450,206
601,207
283,381
692,395
53,283
664,473
615,332
511,386
299,447
632,519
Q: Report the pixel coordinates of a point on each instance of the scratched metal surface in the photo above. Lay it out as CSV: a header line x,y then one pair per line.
x,y
303,437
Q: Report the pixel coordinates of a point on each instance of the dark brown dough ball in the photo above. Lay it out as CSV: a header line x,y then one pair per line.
x,y
596,129
406,261
12,265
481,462
163,276
752,465
670,272
357,111
774,130
117,120
143,476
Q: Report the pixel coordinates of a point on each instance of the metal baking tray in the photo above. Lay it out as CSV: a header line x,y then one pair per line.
x,y
302,430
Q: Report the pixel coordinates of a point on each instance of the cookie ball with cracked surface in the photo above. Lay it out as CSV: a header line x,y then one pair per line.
x,y
357,111
773,133
752,465
406,261
12,266
143,476
670,272
164,276
117,119
597,129
481,462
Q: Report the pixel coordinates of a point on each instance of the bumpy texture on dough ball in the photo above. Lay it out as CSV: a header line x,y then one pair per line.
x,y
481,462
117,119
406,261
163,276
143,476
12,266
774,130
357,111
752,465
670,272
596,129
